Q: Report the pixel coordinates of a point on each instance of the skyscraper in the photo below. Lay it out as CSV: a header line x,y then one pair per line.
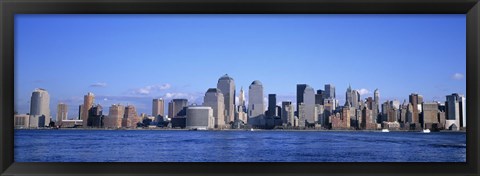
x,y
226,84
429,115
272,103
300,91
214,99
353,97
256,106
319,97
415,100
329,92
39,108
62,113
115,116
241,98
87,105
158,107
287,112
95,116
348,95
130,118
453,113
241,111
306,95
175,107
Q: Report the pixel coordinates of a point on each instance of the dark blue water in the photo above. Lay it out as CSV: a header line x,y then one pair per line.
x,y
236,146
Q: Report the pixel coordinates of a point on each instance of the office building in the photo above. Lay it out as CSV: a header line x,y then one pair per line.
x,y
62,113
21,121
287,113
226,84
319,97
256,105
415,100
158,107
115,116
87,105
39,108
199,117
130,117
95,116
453,114
176,108
272,104
329,92
214,99
430,115
306,95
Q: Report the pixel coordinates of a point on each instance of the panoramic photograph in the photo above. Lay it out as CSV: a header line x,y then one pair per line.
x,y
240,88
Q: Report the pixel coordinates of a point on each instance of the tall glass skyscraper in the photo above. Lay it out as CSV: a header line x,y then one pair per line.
x,y
39,108
226,84
255,99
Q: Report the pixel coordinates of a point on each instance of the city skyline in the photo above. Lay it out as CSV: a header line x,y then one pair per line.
x,y
426,52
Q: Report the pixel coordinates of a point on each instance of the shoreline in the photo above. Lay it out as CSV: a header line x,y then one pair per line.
x,y
254,130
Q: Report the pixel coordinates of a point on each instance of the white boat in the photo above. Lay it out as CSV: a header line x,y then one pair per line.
x,y
426,131
251,129
385,130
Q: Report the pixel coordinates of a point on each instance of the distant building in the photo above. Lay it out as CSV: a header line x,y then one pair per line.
x,y
287,113
307,97
329,92
62,113
130,118
454,112
115,116
429,116
342,120
403,113
87,105
226,84
241,110
368,122
214,99
319,97
158,107
256,105
95,116
272,105
21,121
301,115
199,117
39,108
375,108
177,106
415,100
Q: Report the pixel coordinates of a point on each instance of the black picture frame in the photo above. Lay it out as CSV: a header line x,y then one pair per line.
x,y
11,7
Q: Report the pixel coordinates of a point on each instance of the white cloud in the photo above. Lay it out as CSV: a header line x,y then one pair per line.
x,y
363,91
152,88
99,84
457,76
196,98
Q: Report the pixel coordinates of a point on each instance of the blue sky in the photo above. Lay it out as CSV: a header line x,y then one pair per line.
x,y
134,58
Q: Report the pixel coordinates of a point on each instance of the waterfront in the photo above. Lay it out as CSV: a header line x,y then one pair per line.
x,y
236,146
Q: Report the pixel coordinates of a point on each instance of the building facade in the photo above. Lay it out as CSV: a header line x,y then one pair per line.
x,y
158,107
214,99
226,84
87,105
39,108
199,117
115,116
256,105
62,113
